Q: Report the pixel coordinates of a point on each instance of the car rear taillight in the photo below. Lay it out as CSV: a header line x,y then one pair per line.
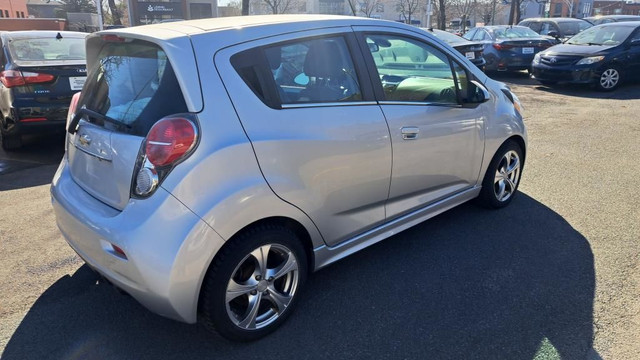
x,y
170,141
72,108
12,78
502,46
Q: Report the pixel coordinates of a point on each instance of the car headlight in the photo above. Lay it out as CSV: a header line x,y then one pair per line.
x,y
536,59
590,60
514,99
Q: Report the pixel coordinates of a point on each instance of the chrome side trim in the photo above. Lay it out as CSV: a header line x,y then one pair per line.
x,y
309,105
325,255
391,102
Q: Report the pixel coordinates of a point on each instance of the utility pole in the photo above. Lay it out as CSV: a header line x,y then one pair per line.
x,y
493,12
429,14
99,8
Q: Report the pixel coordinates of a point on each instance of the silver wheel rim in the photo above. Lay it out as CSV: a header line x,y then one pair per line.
x,y
507,176
262,286
609,78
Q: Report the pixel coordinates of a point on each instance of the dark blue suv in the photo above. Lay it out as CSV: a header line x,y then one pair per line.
x,y
41,70
604,55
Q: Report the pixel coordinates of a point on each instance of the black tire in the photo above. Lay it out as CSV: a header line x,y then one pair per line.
x,y
11,142
490,194
233,260
610,79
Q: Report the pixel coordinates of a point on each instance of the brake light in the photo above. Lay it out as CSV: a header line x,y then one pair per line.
x,y
502,46
169,139
112,38
72,108
12,78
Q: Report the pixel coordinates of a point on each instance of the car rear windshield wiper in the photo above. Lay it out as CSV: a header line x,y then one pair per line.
x,y
96,115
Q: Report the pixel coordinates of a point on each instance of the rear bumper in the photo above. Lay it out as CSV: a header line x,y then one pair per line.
x,y
36,120
163,241
510,63
564,74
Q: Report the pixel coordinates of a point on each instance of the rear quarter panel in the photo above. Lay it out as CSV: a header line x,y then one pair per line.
x,y
222,182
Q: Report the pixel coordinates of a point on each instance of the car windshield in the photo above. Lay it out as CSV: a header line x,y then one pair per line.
x,y
448,37
570,28
46,49
515,32
609,34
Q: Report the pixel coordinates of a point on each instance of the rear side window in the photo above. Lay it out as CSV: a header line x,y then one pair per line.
x,y
133,84
314,71
50,48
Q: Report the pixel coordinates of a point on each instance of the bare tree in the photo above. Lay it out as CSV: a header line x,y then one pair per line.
x,y
353,6
442,14
367,7
364,7
280,6
463,9
407,8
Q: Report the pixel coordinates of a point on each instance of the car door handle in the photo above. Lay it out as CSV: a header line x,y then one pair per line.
x,y
409,132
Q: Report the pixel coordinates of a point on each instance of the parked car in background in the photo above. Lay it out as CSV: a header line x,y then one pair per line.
x,y
471,50
605,55
212,164
508,48
41,70
605,19
558,28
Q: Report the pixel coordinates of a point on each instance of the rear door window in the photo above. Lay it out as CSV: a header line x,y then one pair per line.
x,y
133,85
314,71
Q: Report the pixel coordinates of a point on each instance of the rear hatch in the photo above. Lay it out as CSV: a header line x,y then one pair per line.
x,y
130,86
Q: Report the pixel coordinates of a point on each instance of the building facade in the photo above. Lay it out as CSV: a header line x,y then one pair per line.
x,y
14,9
151,12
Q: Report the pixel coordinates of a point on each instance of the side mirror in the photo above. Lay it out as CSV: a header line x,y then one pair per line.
x,y
554,34
478,94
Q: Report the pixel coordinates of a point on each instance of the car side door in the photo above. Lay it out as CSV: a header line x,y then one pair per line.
x,y
322,142
437,141
633,55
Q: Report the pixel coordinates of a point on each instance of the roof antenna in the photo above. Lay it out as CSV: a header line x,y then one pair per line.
x,y
59,36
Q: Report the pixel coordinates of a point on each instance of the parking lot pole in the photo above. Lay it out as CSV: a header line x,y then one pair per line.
x,y
99,8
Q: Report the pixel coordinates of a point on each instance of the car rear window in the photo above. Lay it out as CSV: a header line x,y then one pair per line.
x,y
44,49
515,32
131,83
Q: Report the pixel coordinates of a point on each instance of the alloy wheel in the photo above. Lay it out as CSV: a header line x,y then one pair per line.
x,y
609,79
507,176
262,286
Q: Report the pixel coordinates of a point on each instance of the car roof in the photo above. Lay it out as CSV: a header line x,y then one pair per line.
x,y
268,25
29,34
494,27
558,19
621,23
613,17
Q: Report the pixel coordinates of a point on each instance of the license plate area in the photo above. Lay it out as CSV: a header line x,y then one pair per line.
x,y
470,55
527,50
77,82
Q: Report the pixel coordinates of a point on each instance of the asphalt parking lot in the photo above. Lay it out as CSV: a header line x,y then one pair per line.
x,y
555,275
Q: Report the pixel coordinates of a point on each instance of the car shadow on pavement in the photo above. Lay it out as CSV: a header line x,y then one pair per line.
x,y
471,283
32,165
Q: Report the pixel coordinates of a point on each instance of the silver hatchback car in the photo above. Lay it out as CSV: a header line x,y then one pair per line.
x,y
212,164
